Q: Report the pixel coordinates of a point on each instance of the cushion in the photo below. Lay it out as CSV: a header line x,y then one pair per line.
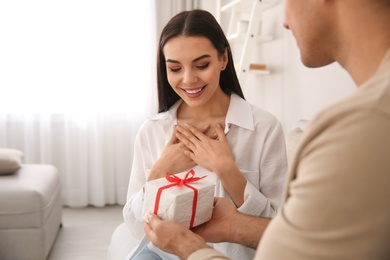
x,y
30,212
10,160
26,197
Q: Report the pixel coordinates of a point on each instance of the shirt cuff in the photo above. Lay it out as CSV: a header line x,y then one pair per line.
x,y
137,205
254,201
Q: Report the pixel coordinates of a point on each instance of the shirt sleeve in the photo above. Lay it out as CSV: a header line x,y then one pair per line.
x,y
265,200
132,211
207,254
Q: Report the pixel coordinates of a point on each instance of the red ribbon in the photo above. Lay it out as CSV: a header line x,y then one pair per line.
x,y
176,181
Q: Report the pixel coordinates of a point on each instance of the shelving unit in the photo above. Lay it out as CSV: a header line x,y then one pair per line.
x,y
245,27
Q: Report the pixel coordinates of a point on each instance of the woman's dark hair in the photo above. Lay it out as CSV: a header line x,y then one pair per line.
x,y
194,23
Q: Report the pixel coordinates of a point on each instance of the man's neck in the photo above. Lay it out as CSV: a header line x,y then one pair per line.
x,y
364,42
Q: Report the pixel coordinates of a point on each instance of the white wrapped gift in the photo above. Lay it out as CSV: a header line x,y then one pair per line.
x,y
184,198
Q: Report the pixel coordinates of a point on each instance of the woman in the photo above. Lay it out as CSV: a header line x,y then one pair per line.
x,y
205,123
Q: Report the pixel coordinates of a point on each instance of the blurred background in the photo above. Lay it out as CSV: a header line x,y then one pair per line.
x,y
77,78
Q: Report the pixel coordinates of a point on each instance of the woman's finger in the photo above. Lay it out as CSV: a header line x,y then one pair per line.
x,y
173,139
195,132
185,141
220,133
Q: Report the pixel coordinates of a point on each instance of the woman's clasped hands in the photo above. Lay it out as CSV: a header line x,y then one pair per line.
x,y
211,152
190,146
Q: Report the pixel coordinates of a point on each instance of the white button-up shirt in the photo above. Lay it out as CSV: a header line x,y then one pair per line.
x,y
256,140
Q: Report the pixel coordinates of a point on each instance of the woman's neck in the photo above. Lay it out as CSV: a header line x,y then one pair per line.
x,y
215,107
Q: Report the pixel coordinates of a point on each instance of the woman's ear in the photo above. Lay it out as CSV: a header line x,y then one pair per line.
x,y
225,59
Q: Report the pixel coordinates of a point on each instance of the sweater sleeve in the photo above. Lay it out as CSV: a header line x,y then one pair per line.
x,y
207,254
335,207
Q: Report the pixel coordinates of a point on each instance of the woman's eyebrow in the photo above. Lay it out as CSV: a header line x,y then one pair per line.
x,y
202,57
199,58
172,61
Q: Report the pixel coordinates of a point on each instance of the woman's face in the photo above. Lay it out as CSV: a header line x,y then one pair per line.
x,y
193,68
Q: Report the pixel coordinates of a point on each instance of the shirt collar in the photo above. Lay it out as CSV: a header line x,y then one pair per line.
x,y
170,115
240,113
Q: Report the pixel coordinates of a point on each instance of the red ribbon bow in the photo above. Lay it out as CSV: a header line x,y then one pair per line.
x,y
176,181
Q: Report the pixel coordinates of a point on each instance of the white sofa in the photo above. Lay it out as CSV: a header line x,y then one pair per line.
x,y
121,244
30,209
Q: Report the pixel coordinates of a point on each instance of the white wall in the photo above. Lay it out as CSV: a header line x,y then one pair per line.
x,y
291,92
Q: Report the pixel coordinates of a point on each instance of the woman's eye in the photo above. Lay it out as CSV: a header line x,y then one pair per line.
x,y
203,66
174,69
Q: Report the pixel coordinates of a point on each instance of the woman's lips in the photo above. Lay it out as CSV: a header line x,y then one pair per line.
x,y
193,93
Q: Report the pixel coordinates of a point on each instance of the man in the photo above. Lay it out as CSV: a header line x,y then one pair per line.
x,y
337,198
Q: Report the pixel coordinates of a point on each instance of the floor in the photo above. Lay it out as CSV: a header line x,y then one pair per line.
x,y
86,233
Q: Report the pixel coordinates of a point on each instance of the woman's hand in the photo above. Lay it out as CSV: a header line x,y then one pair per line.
x,y
172,159
209,152
216,156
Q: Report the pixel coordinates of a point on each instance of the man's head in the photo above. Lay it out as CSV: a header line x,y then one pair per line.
x,y
325,30
312,22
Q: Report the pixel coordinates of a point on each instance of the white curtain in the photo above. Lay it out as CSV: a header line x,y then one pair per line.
x,y
77,78
166,9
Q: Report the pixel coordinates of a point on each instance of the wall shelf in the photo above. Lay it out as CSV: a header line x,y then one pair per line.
x,y
244,27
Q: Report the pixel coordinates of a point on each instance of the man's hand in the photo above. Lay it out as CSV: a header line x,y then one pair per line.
x,y
220,227
172,237
229,225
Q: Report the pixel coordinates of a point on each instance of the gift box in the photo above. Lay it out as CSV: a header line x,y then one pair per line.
x,y
183,198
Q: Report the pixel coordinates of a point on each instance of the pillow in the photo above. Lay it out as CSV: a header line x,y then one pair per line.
x,y
10,160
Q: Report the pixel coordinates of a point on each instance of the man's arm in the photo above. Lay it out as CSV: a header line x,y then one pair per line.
x,y
226,225
229,225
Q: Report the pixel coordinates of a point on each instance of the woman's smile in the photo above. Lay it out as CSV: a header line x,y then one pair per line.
x,y
194,92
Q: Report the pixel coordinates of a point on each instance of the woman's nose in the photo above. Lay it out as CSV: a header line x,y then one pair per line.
x,y
190,77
